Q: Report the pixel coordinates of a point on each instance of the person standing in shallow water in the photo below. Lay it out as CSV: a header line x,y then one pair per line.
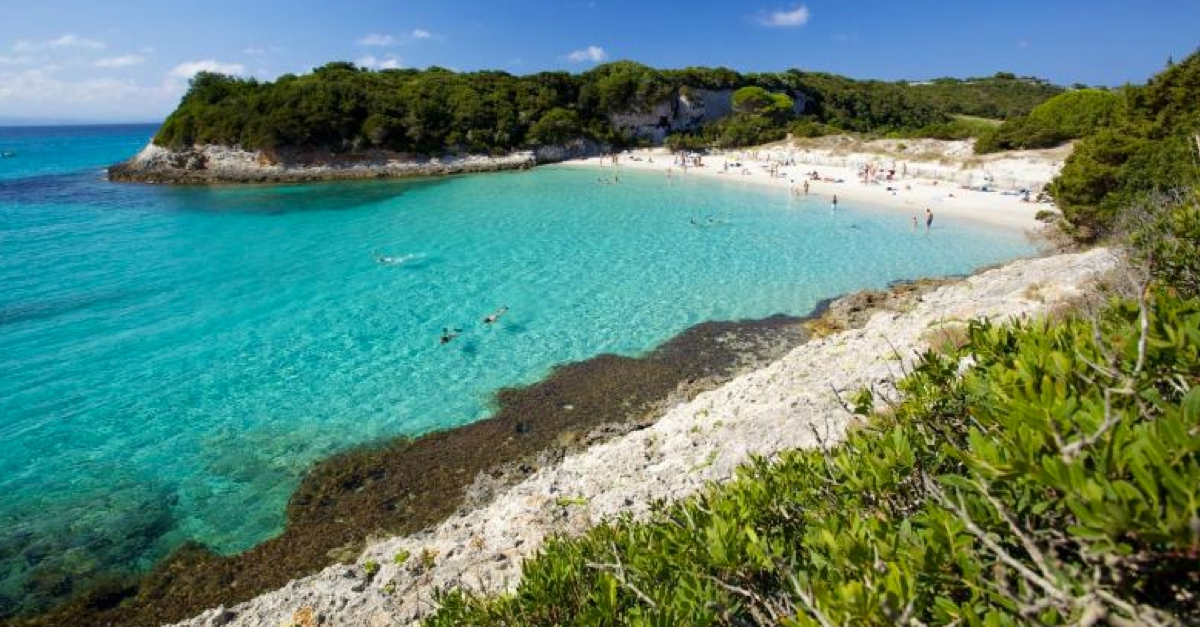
x,y
928,219
834,205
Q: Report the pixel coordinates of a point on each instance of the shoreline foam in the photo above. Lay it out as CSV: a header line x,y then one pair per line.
x,y
786,404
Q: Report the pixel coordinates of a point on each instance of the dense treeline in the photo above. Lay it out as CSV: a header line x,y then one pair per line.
x,y
998,97
341,107
1143,152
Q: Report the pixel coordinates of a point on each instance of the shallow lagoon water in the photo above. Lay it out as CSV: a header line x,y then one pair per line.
x,y
172,359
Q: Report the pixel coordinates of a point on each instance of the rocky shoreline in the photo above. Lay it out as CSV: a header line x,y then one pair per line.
x,y
215,165
407,485
795,401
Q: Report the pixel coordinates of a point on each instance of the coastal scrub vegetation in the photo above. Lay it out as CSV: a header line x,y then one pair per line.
x,y
1067,116
343,108
1056,481
1146,149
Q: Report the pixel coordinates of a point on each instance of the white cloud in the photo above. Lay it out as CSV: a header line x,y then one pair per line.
x,y
18,60
390,62
257,50
66,41
121,61
39,85
383,40
44,92
376,39
189,69
795,17
595,54
75,41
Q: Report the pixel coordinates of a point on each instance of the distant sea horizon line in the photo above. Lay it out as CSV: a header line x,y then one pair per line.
x,y
54,122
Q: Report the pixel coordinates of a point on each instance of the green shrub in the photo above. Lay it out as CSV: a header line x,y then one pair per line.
x,y
1168,243
1020,134
556,127
1056,482
810,128
1079,112
1146,150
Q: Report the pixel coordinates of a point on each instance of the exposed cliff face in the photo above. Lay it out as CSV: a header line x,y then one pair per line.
x,y
210,164
687,110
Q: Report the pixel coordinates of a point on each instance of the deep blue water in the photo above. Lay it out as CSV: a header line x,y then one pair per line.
x,y
171,359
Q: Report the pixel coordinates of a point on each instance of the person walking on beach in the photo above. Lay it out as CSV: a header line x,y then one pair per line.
x,y
928,219
806,188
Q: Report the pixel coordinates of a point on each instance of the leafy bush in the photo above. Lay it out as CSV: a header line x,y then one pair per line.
x,y
1079,112
557,126
810,128
687,142
960,127
1020,134
758,101
1146,150
745,129
1168,244
1057,482
1066,116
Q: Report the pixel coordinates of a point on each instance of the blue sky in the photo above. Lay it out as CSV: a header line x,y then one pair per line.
x,y
131,60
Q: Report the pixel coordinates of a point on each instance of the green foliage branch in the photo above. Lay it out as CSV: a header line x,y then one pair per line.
x,y
1056,482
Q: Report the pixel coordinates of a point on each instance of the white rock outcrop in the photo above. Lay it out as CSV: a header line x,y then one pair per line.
x,y
687,110
787,404
210,163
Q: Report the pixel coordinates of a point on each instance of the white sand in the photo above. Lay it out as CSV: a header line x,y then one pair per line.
x,y
928,174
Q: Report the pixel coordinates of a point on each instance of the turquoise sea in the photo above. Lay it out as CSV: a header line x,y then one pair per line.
x,y
172,359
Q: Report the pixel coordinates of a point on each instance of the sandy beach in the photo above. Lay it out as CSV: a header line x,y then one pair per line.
x,y
942,176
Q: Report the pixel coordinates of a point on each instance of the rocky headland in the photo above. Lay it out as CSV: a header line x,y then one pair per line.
x,y
207,164
215,164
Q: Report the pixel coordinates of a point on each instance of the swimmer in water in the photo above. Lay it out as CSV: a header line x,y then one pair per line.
x,y
389,260
449,334
495,315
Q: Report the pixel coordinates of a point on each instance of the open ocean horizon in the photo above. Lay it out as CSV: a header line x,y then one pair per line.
x,y
172,359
